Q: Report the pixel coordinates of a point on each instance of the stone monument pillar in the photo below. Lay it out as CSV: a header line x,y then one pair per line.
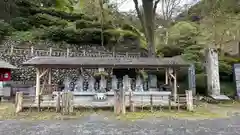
x,y
152,82
103,84
67,83
212,70
126,83
91,84
114,82
139,84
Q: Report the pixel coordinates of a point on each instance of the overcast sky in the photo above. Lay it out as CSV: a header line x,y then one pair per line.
x,y
126,5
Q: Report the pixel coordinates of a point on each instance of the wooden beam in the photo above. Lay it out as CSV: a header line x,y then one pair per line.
x,y
50,76
173,76
43,73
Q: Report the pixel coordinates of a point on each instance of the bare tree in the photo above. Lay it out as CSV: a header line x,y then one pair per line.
x,y
169,9
147,17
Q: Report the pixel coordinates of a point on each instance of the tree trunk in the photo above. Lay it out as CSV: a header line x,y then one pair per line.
x,y
148,14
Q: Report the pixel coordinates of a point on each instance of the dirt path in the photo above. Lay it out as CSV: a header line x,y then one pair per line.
x,y
98,125
104,123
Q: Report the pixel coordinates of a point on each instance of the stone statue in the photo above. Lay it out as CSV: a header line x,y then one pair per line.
x,y
67,83
91,84
114,82
126,83
79,84
129,84
139,84
103,84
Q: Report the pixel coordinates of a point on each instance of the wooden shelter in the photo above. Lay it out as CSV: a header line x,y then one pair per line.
x,y
5,75
44,65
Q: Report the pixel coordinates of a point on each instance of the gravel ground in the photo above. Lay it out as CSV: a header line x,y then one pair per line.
x,y
98,125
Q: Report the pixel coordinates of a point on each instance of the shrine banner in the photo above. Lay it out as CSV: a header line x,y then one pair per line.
x,y
5,74
192,79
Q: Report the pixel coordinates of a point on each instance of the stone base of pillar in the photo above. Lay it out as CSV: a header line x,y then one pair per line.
x,y
153,89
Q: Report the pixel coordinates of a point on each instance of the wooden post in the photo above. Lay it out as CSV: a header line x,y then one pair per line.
x,y
189,100
151,102
19,102
84,53
37,84
178,103
50,51
166,76
11,50
117,108
64,103
127,54
67,103
122,97
39,102
58,108
68,52
113,54
50,76
70,102
169,103
175,86
131,103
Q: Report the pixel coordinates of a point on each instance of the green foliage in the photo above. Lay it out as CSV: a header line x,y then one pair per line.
x,y
5,29
183,29
201,84
70,35
47,20
21,23
81,24
63,15
228,89
131,28
225,67
31,35
170,50
64,5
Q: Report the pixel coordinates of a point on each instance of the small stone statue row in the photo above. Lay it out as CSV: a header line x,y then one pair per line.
x,y
103,84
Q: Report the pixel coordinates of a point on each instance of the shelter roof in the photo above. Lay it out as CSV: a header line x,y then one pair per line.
x,y
105,62
4,64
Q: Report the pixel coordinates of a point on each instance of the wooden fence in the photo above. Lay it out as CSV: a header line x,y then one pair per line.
x,y
63,102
